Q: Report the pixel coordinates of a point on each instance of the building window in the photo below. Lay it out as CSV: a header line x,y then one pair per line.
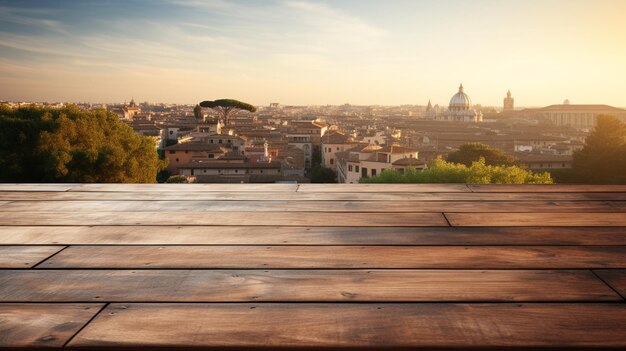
x,y
219,141
363,172
337,149
236,171
332,161
357,169
350,168
176,160
172,152
373,172
211,156
211,141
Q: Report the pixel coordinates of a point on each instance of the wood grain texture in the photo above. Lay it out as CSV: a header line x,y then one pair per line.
x,y
616,278
303,196
383,188
312,266
276,257
225,218
25,256
42,326
301,285
536,219
34,187
184,187
273,235
375,326
316,206
552,188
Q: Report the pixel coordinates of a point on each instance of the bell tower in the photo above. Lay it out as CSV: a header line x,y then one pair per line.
x,y
508,102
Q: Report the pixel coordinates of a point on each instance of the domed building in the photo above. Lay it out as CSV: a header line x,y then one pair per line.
x,y
460,109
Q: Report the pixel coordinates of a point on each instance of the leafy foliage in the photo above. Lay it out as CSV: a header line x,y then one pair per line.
x,y
71,145
228,107
472,152
176,179
321,174
440,171
603,159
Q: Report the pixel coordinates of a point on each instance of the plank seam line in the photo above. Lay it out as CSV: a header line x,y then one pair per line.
x,y
297,188
85,325
49,257
447,220
607,284
469,187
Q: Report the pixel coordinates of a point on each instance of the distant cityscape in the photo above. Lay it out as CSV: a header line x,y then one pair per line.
x,y
282,143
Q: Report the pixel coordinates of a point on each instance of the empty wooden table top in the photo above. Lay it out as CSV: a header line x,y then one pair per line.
x,y
312,266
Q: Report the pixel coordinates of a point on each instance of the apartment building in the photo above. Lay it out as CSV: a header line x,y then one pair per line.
x,y
370,160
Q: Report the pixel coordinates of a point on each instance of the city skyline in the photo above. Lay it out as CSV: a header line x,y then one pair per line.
x,y
314,53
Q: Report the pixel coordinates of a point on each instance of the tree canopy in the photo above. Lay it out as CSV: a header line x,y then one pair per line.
x,y
440,171
472,152
321,174
228,107
603,158
72,145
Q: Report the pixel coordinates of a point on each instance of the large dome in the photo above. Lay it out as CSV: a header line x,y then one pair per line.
x,y
460,101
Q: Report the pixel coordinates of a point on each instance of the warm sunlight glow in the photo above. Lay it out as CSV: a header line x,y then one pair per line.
x,y
314,52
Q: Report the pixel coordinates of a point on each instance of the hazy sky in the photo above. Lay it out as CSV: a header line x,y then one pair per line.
x,y
314,52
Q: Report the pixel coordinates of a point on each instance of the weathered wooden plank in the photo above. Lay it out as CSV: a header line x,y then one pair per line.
x,y
276,257
35,187
375,326
25,256
42,326
38,285
273,235
533,188
383,188
317,206
184,187
616,278
224,218
304,196
537,219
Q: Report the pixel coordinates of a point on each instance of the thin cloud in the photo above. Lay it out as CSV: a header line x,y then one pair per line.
x,y
26,16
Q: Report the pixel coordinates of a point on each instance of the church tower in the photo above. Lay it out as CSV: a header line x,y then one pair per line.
x,y
508,102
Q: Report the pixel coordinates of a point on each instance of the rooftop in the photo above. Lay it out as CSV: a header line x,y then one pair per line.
x,y
312,266
591,108
196,146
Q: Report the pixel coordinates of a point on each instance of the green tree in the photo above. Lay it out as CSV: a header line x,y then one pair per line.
x,y
603,158
321,174
197,112
228,107
440,171
176,179
471,152
71,145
